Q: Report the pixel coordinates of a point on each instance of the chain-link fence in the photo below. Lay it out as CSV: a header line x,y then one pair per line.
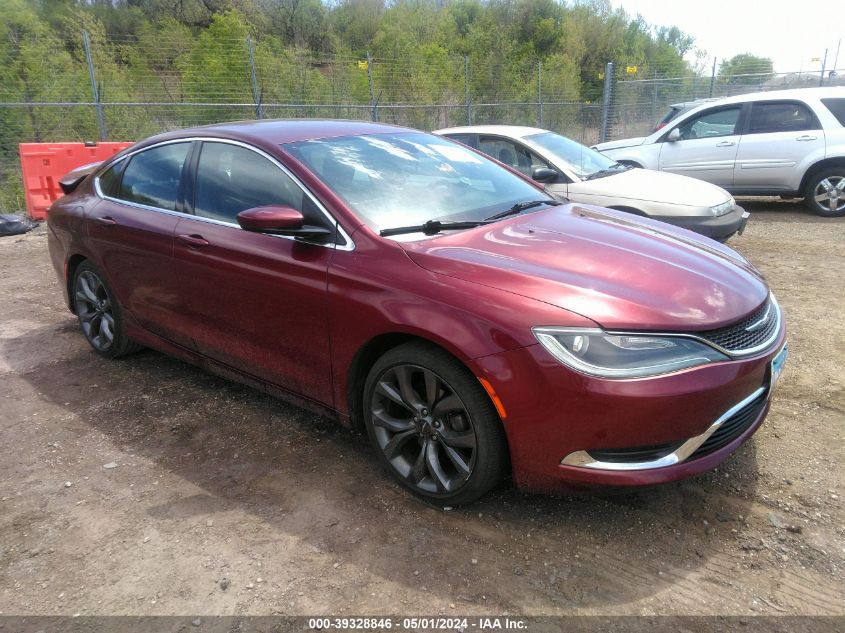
x,y
638,103
124,88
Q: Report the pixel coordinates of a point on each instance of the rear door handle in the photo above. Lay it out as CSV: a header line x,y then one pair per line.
x,y
105,221
725,144
806,137
194,241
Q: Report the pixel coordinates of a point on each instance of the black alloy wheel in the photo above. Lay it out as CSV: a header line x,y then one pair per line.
x,y
433,425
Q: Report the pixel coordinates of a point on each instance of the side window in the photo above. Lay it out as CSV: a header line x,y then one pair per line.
x,y
710,124
511,154
231,179
152,177
781,117
110,179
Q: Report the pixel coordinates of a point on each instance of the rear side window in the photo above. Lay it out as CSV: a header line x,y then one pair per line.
x,y
837,109
673,112
781,117
466,139
152,177
231,179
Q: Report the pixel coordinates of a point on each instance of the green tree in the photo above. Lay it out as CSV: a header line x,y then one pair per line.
x,y
746,69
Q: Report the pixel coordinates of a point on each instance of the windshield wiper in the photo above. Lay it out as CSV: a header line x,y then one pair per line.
x,y
432,227
519,207
610,170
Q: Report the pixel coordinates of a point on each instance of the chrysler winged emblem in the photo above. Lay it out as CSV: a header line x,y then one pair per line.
x,y
761,322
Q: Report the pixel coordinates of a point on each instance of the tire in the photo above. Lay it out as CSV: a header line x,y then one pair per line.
x,y
817,195
449,455
100,314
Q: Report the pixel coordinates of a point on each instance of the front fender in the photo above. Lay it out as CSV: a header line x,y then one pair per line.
x,y
375,291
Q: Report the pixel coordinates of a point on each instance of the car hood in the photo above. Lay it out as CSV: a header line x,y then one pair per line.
x,y
625,142
620,271
654,186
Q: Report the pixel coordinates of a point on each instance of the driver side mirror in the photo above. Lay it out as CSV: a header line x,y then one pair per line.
x,y
279,220
674,135
544,175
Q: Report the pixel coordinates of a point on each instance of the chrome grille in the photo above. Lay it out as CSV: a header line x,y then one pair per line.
x,y
748,334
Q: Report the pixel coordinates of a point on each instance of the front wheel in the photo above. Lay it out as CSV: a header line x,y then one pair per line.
x,y
825,193
433,426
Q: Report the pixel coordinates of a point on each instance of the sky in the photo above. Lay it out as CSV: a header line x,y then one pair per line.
x,y
791,33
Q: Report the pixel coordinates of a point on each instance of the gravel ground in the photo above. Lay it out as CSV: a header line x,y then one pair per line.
x,y
145,486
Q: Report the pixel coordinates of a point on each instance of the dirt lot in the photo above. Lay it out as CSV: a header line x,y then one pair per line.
x,y
144,486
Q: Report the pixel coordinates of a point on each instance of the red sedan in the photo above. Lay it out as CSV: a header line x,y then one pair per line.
x,y
472,324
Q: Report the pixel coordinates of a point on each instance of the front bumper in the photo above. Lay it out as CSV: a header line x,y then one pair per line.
x,y
556,416
719,228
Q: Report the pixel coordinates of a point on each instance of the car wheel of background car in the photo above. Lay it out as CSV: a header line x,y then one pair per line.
x,y
433,426
825,193
99,313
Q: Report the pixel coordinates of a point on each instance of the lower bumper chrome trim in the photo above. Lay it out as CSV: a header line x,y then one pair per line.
x,y
583,459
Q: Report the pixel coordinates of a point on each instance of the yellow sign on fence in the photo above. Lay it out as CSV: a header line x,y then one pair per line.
x,y
362,65
631,70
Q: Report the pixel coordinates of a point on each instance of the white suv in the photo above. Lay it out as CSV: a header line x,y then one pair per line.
x,y
789,143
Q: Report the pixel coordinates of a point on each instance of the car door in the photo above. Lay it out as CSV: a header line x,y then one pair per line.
x,y
254,302
778,136
131,232
707,146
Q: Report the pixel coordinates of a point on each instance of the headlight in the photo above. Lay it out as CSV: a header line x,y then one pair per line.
x,y
725,207
599,353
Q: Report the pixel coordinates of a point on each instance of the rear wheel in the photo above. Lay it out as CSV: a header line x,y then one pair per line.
x,y
433,426
825,193
100,315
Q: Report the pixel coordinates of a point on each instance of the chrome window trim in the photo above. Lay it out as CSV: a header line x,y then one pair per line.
x,y
348,245
583,459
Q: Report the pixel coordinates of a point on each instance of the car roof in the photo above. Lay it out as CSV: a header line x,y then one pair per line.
x,y
792,93
514,131
281,131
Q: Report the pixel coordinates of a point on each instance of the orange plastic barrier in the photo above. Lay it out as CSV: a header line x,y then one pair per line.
x,y
44,163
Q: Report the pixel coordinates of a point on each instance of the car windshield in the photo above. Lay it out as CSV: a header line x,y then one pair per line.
x,y
579,159
394,180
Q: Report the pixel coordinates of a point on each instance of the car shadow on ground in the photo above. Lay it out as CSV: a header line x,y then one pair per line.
x,y
306,476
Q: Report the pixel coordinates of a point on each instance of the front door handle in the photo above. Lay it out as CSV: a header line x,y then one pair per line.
x,y
725,144
806,137
105,221
194,241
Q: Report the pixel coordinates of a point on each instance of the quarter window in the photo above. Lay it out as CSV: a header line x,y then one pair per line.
x,y
110,179
231,179
781,117
837,108
710,124
152,176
